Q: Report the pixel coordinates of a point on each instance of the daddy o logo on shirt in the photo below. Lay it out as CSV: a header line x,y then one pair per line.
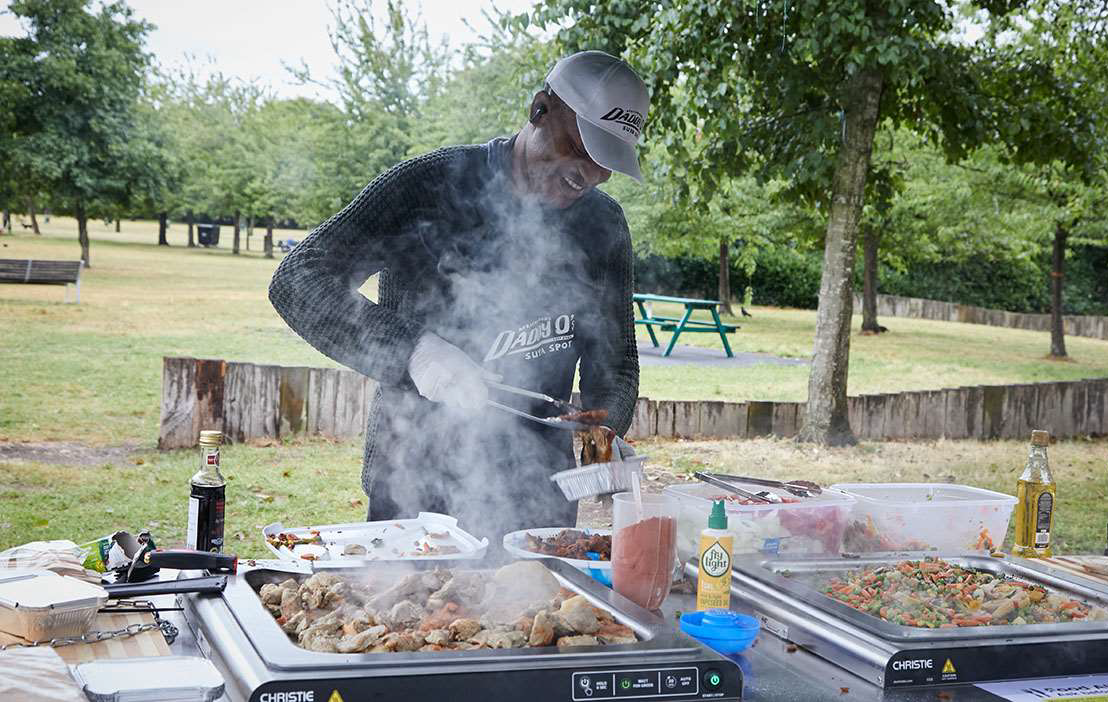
x,y
535,339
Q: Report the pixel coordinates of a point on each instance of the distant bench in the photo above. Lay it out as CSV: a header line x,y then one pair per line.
x,y
13,270
685,323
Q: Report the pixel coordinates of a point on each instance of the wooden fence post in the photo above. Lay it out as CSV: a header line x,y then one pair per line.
x,y
722,420
932,409
644,422
954,407
176,426
665,418
784,419
686,419
292,400
759,419
992,404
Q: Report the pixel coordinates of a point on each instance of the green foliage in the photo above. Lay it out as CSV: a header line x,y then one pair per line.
x,y
73,84
488,94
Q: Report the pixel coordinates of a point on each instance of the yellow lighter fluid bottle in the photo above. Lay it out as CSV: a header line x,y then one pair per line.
x,y
1035,505
713,582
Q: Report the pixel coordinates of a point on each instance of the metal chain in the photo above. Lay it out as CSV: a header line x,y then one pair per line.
x,y
168,630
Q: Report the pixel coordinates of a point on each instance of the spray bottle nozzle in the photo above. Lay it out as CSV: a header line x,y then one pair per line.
x,y
718,518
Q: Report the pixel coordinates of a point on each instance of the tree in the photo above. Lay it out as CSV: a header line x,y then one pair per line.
x,y
387,72
82,72
1062,137
796,90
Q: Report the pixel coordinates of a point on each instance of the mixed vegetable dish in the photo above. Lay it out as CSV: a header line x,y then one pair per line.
x,y
932,593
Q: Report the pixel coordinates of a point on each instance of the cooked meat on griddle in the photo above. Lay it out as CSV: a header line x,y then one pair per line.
x,y
520,605
572,543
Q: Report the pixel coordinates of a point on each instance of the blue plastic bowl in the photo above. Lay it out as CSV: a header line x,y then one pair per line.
x,y
721,630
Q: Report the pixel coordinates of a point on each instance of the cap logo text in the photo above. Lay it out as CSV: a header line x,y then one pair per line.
x,y
627,118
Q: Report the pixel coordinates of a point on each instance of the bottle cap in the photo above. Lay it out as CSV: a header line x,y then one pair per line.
x,y
1040,438
211,438
718,518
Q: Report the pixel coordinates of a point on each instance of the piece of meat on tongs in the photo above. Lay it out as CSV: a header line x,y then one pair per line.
x,y
596,440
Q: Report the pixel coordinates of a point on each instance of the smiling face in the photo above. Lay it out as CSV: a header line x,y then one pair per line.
x,y
549,161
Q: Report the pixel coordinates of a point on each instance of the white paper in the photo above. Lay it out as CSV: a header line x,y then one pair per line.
x,y
1085,688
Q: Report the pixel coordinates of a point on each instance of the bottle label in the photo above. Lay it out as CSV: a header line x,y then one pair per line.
x,y
206,518
715,561
193,523
713,583
1043,508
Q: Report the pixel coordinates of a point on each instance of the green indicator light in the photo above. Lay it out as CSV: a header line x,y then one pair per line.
x,y
625,683
714,679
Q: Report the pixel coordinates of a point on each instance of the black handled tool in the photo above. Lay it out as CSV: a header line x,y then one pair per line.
x,y
185,559
212,584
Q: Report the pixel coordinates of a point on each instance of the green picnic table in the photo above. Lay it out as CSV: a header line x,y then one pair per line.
x,y
685,323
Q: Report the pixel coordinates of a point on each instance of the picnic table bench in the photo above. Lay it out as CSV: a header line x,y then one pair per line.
x,y
41,272
685,323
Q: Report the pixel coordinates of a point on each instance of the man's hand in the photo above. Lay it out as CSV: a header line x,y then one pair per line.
x,y
442,372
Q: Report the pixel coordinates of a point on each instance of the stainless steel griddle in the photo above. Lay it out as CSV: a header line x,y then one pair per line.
x,y
261,664
890,655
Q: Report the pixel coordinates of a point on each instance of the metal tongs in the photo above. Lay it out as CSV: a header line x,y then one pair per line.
x,y
713,480
721,480
800,488
562,406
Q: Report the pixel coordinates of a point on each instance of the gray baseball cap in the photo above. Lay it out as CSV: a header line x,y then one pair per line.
x,y
611,103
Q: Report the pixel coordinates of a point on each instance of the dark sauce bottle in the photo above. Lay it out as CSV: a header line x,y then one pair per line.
x,y
207,500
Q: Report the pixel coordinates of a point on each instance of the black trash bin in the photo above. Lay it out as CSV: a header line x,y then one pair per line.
x,y
207,234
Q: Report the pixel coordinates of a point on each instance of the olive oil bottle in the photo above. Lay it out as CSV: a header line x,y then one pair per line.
x,y
1035,502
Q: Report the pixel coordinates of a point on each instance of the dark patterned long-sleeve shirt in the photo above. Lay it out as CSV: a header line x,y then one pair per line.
x,y
527,292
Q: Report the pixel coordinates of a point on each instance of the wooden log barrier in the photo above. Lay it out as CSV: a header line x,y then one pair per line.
x,y
248,401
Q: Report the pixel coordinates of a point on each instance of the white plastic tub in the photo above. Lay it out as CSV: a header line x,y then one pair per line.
x,y
809,526
925,517
515,543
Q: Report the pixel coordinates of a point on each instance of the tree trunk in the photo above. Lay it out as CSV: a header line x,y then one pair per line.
x,y
34,219
238,228
826,421
188,218
725,277
82,233
269,238
6,221
117,219
870,242
1057,326
249,230
162,227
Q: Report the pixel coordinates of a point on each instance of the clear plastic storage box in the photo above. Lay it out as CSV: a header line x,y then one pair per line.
x,y
925,517
798,526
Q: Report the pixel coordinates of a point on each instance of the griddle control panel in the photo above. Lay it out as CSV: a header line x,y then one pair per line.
x,y
654,683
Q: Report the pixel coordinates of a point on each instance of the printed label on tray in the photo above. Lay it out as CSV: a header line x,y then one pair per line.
x,y
774,627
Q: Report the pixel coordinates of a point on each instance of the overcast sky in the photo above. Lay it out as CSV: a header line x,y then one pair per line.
x,y
250,38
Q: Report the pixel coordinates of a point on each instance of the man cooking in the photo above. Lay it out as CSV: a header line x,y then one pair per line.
x,y
499,261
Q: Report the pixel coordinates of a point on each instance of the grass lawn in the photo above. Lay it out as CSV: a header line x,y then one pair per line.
x,y
316,481
91,374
